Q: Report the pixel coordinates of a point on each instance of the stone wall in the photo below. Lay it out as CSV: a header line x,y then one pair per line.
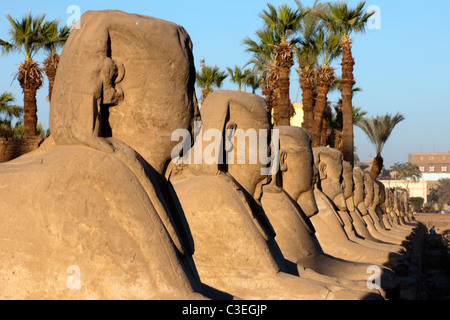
x,y
13,148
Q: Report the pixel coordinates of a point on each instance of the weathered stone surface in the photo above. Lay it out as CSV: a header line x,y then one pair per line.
x,y
99,211
294,231
93,197
236,251
328,223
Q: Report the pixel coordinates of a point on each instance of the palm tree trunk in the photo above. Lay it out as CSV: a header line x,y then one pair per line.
x,y
347,110
30,112
337,132
30,79
284,60
324,78
307,77
284,100
323,133
318,115
326,132
50,67
377,166
269,91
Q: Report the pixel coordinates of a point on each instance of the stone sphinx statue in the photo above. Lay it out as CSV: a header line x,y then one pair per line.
x,y
388,203
329,225
361,227
236,250
405,209
360,208
374,220
392,214
380,209
88,215
356,227
283,201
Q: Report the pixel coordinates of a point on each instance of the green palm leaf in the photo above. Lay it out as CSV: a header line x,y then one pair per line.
x,y
378,129
10,110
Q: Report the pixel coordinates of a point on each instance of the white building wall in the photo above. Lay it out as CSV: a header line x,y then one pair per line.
x,y
416,189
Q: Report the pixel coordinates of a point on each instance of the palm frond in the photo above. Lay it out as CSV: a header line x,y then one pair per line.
x,y
344,20
54,37
27,34
6,107
378,129
210,77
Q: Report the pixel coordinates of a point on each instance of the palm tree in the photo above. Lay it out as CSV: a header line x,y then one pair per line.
x,y
328,46
262,60
209,78
284,22
238,76
378,130
56,37
28,38
252,80
9,111
345,21
334,134
307,54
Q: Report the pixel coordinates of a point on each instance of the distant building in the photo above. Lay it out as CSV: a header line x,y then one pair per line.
x,y
433,166
420,188
297,119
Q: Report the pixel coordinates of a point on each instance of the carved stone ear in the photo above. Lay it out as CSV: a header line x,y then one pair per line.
x,y
112,72
230,129
322,171
283,163
120,71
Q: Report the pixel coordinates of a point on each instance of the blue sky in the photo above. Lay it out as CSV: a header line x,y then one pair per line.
x,y
402,67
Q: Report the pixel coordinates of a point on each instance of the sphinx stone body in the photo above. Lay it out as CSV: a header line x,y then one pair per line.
x,y
360,210
382,212
294,232
330,227
372,219
355,225
95,200
236,251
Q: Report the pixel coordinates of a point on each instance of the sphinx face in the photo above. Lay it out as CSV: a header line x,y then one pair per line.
x,y
376,194
298,176
333,184
347,175
360,190
369,191
246,164
387,200
358,194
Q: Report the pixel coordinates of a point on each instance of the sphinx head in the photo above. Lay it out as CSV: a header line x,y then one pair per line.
x,y
125,77
376,194
349,188
381,195
242,121
359,190
369,193
297,167
330,180
390,202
